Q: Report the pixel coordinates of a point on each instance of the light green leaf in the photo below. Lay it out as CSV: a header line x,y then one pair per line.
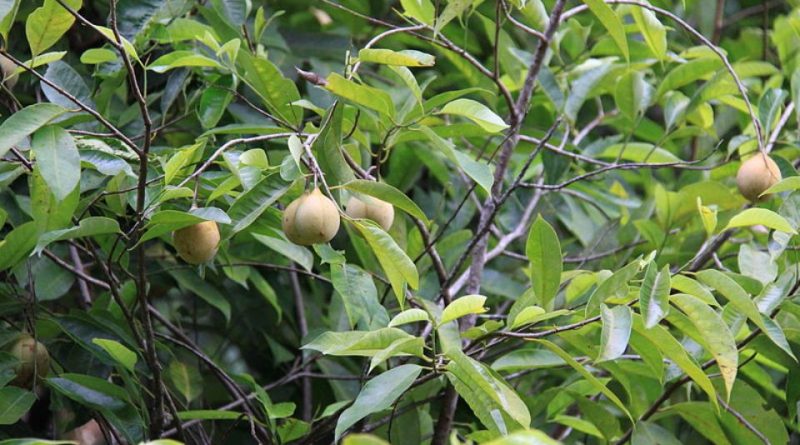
x,y
632,94
586,374
182,59
90,226
252,203
494,402
363,95
654,33
399,58
791,183
716,334
466,305
118,352
673,350
399,268
615,333
609,19
476,112
24,122
654,295
758,216
544,253
420,10
389,194
480,172
377,395
528,315
582,88
57,159
409,316
639,152
94,56
361,343
47,23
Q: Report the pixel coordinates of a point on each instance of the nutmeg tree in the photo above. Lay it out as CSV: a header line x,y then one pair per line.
x,y
403,221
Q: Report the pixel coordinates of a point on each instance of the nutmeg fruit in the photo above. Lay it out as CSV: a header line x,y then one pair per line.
x,y
34,361
756,175
311,219
7,67
371,208
197,244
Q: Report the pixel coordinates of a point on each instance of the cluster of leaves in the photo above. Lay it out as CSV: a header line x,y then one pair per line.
x,y
570,260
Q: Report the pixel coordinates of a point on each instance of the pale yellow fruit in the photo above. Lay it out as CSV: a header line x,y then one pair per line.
x,y
8,67
311,219
34,361
756,175
87,434
197,244
371,208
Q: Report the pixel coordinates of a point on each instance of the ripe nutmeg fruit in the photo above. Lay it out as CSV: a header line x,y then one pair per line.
x,y
371,208
197,244
756,175
34,361
311,219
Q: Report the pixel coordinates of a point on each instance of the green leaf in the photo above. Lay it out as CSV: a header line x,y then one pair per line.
x,y
615,285
399,268
654,295
189,280
768,107
357,290
407,57
14,403
186,379
57,159
213,103
420,10
654,33
791,183
178,161
525,359
497,405
24,122
252,203
716,334
632,94
526,437
363,439
480,172
8,12
397,347
90,226
586,374
94,56
544,253
758,216
167,221
182,59
615,333
276,91
118,352
90,391
639,152
581,89
389,194
361,343
528,315
17,245
611,21
466,305
211,414
673,350
476,112
47,23
363,95
377,395
688,73
409,316
742,302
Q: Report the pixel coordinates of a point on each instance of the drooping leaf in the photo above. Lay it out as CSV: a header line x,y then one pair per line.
x,y
654,295
544,253
462,306
476,112
616,332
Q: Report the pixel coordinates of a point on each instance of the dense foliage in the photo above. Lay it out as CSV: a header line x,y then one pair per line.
x,y
406,222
